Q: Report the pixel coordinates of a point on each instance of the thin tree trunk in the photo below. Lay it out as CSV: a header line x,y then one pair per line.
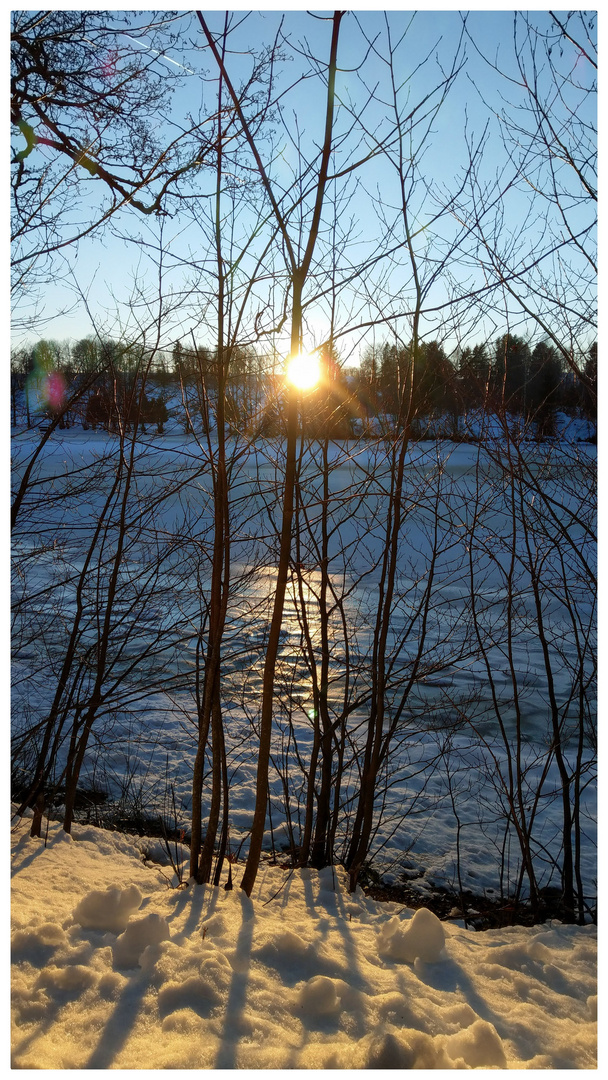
x,y
276,622
319,853
201,871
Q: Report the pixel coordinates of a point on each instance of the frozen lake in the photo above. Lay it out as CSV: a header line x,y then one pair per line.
x,y
491,637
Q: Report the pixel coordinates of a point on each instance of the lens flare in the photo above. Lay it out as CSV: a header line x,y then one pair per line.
x,y
304,370
55,390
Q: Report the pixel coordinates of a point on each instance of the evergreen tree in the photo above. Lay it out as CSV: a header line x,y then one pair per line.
x,y
543,390
510,372
473,371
434,383
589,403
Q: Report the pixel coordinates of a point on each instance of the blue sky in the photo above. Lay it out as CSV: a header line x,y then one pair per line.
x,y
106,269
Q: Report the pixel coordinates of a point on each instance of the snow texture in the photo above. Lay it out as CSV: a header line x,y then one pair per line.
x,y
115,969
421,938
108,909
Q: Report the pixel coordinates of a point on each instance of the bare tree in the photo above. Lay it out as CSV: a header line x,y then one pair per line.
x,y
385,578
85,86
546,266
299,268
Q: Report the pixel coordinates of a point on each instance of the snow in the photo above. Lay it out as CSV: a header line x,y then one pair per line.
x,y
108,909
114,967
421,939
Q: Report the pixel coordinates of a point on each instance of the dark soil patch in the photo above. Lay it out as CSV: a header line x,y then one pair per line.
x,y
477,912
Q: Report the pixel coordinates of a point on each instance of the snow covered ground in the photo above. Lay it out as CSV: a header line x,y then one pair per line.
x,y
113,968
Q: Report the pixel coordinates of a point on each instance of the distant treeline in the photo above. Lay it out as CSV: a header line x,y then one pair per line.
x,y
105,381
511,374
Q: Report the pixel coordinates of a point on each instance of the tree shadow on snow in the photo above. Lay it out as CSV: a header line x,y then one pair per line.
x,y
356,977
56,1001
120,1024
47,960
237,993
42,844
195,899
449,977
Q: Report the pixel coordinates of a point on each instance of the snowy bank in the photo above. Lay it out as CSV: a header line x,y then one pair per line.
x,y
114,968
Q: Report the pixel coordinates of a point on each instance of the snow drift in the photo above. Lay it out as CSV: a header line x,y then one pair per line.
x,y
115,968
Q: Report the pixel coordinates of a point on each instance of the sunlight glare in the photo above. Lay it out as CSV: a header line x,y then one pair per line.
x,y
304,370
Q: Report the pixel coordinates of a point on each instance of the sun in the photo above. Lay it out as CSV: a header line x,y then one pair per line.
x,y
303,370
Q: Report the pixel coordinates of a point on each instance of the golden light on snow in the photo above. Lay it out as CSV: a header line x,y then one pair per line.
x,y
304,370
